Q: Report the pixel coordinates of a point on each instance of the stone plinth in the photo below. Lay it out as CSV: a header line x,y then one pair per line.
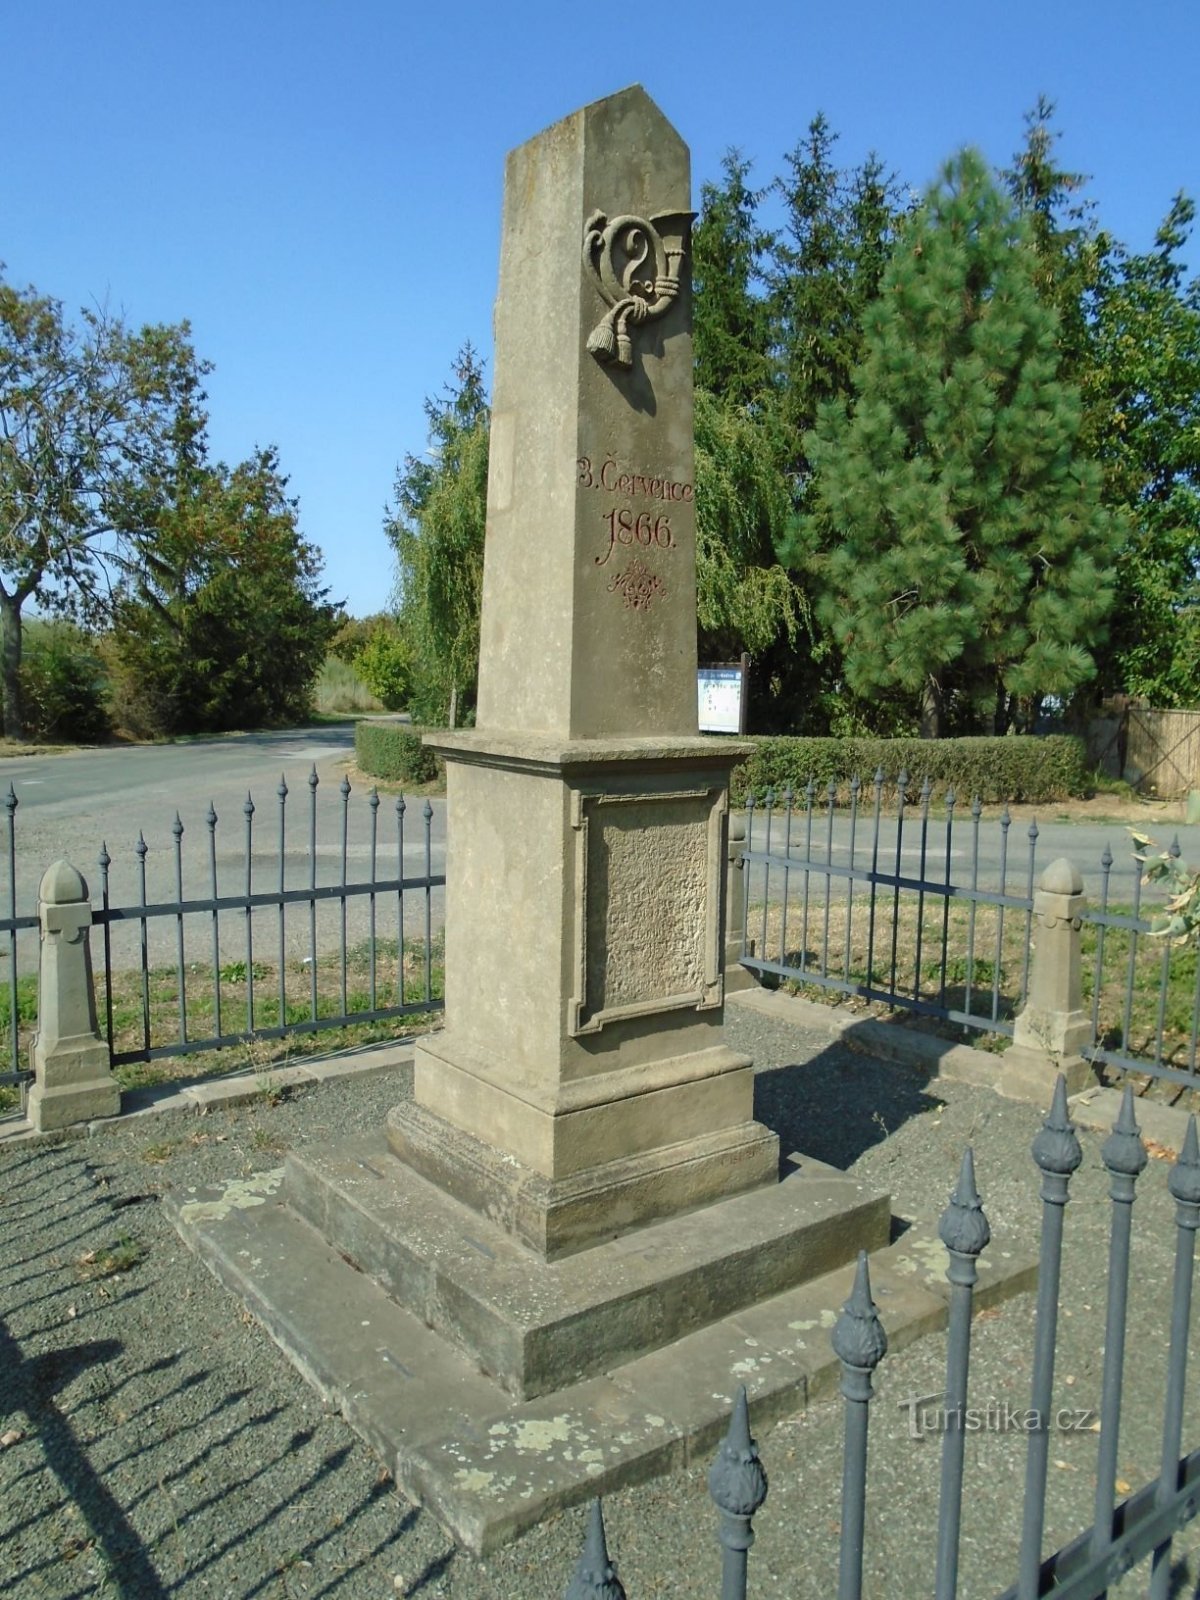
x,y
581,1085
535,1327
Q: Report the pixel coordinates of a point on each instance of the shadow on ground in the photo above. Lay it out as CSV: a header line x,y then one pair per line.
x,y
838,1104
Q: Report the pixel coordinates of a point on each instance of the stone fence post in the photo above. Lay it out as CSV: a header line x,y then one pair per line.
x,y
73,1073
1053,1027
736,975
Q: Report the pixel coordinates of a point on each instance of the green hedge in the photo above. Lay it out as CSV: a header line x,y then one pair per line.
x,y
393,751
1013,768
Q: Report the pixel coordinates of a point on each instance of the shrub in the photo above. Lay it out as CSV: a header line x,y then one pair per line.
x,y
1013,768
393,751
63,685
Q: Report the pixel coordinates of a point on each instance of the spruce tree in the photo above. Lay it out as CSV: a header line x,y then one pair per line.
x,y
960,545
825,270
731,329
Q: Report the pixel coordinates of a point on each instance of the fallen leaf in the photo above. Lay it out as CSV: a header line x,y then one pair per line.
x,y
13,1436
1121,1486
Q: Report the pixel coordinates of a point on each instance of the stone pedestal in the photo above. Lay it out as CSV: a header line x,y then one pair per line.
x,y
73,1079
582,1085
1053,1027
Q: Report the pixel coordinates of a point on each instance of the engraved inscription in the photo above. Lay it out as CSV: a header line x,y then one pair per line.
x,y
623,524
639,585
641,485
647,902
637,271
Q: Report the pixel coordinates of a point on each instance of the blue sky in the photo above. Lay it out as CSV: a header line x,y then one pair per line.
x,y
317,187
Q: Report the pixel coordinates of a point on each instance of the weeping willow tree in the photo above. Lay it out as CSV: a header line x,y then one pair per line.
x,y
436,530
745,599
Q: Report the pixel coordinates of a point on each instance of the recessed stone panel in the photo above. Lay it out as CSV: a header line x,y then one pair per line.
x,y
649,904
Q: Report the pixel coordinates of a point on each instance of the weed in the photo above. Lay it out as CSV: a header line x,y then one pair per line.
x,y
235,972
156,1154
122,1256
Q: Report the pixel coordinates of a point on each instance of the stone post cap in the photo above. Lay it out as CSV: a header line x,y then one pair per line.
x,y
62,885
1061,877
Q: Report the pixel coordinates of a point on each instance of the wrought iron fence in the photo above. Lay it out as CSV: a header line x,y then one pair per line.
x,y
14,927
250,945
252,998
1124,1531
933,913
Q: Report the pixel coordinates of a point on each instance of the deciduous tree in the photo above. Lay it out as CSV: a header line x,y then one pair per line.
x,y
229,625
90,420
436,529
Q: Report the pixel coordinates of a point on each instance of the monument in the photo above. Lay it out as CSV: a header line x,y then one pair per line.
x,y
581,1085
575,1233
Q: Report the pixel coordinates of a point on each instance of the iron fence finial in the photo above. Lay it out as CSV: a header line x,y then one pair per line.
x,y
858,1337
964,1227
1123,1151
1056,1149
737,1479
1184,1181
595,1576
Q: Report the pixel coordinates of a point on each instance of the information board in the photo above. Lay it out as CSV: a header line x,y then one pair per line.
x,y
721,690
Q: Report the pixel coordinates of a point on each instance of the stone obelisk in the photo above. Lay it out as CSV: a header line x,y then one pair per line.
x,y
581,1085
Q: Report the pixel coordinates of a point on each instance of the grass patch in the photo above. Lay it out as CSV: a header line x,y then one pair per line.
x,y
107,1262
340,690
146,1012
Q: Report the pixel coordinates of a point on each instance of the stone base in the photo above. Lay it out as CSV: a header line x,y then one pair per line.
x,y
1027,1074
534,1325
489,1465
555,1217
72,1086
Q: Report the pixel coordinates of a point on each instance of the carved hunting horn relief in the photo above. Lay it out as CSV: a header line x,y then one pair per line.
x,y
637,270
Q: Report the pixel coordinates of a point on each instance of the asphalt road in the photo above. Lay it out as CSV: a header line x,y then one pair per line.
x,y
925,854
72,805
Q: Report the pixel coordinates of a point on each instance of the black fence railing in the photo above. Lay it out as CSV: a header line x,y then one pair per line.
x,y
294,968
933,912
292,925
1127,1528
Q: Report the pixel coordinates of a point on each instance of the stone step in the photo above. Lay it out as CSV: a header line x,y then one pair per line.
x,y
488,1466
537,1326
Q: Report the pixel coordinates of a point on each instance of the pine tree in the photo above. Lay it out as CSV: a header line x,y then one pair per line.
x,y
825,271
967,556
731,329
1145,391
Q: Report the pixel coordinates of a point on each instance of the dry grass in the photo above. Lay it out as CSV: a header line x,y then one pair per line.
x,y
149,1008
1140,979
340,689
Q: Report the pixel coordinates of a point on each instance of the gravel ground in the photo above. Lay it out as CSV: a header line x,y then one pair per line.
x,y
159,1444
